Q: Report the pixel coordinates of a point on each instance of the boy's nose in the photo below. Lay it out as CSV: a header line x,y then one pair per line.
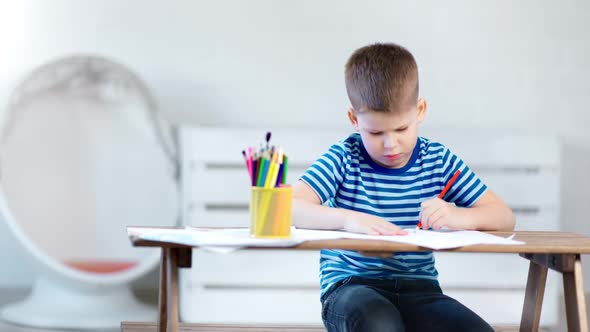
x,y
389,141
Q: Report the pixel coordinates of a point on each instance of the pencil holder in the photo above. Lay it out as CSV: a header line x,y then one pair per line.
x,y
270,212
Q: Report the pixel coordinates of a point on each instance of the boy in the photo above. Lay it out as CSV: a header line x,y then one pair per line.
x,y
380,180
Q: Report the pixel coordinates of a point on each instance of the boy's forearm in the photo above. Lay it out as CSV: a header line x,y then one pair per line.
x,y
314,216
492,217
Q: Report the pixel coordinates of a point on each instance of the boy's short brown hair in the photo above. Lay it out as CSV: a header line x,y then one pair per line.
x,y
381,78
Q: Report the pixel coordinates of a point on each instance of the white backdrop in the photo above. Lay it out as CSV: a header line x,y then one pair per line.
x,y
488,64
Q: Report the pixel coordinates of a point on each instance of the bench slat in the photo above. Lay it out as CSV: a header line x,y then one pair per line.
x,y
151,327
186,327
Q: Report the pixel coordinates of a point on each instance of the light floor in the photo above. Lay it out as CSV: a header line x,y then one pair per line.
x,y
5,327
8,296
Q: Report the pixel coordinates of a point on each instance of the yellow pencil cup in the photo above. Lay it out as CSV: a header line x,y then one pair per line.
x,y
270,212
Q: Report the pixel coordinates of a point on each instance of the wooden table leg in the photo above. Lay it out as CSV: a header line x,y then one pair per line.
x,y
162,317
168,294
570,265
575,302
533,299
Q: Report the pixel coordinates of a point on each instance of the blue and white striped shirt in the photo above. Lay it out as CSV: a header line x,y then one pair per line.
x,y
346,177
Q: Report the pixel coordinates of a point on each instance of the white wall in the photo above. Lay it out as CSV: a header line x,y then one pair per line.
x,y
502,64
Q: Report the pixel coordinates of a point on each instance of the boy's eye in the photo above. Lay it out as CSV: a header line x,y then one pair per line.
x,y
402,129
375,133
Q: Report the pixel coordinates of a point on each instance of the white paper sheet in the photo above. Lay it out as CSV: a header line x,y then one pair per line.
x,y
227,240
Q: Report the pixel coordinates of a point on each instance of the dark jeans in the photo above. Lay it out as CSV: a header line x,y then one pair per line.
x,y
373,305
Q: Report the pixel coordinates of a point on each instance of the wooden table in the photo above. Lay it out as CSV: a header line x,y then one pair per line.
x,y
559,251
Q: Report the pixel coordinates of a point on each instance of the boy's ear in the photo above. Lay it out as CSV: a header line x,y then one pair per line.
x,y
353,119
422,107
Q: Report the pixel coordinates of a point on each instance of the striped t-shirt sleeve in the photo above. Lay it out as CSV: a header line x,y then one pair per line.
x,y
468,187
326,174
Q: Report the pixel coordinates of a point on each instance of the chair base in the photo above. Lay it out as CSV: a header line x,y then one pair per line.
x,y
55,306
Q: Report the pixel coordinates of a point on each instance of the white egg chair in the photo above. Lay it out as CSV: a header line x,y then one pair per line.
x,y
84,153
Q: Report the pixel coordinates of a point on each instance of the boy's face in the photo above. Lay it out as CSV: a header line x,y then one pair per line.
x,y
389,137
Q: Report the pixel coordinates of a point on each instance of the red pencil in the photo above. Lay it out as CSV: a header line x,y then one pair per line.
x,y
444,191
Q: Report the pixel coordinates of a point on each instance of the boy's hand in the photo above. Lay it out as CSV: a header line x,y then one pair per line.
x,y
436,214
364,223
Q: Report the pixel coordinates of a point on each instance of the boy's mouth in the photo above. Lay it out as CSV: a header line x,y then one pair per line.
x,y
393,156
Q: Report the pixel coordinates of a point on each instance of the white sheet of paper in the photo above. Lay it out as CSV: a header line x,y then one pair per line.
x,y
227,240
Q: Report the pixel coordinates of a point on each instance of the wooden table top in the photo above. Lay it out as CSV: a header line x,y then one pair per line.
x,y
535,242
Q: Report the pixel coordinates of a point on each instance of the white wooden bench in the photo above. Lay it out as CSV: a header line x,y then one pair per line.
x,y
282,287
